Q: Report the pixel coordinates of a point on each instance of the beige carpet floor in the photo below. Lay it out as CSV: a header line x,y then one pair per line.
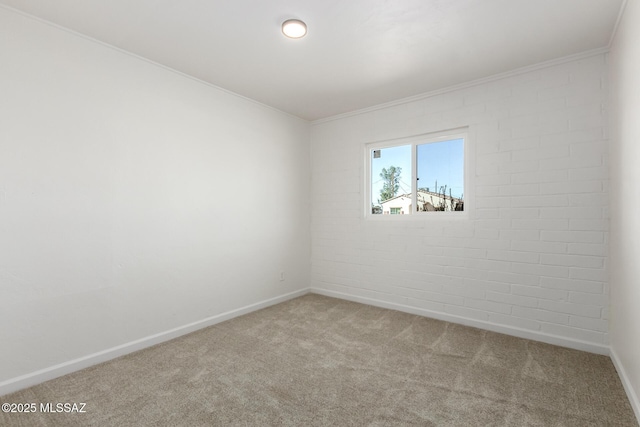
x,y
318,361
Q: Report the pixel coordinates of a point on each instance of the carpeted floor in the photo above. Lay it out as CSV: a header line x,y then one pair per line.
x,y
321,361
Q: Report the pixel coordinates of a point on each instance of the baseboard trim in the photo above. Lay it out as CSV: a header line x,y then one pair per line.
x,y
626,383
37,377
494,327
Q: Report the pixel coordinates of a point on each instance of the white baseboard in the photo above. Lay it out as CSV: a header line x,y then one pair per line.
x,y
61,369
52,372
494,327
626,383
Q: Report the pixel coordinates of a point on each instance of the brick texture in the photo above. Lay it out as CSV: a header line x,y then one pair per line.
x,y
532,253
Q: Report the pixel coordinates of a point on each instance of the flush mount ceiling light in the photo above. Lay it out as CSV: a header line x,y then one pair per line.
x,y
294,28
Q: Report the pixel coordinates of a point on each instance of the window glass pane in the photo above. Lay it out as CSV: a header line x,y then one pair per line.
x,y
440,174
391,180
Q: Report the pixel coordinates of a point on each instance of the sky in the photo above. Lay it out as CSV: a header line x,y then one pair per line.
x,y
442,161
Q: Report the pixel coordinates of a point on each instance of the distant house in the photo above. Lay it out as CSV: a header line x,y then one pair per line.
x,y
426,201
398,205
430,201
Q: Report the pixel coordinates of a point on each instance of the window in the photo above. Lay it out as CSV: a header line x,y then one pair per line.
x,y
418,175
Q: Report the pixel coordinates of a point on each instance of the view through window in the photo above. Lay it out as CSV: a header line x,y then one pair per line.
x,y
425,175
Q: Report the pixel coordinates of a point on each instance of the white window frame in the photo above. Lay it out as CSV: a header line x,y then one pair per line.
x,y
414,141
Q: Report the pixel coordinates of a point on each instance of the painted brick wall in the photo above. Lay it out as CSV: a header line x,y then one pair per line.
x,y
531,259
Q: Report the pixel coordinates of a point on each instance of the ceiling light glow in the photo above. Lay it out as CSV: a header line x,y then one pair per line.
x,y
294,28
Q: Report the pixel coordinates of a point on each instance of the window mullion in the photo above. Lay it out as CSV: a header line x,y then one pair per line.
x,y
414,179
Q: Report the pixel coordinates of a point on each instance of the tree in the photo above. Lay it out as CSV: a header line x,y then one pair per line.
x,y
391,183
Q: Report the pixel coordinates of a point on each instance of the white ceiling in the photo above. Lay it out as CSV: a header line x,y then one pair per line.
x,y
358,53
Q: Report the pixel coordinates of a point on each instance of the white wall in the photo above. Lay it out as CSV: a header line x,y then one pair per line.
x,y
532,259
133,199
625,195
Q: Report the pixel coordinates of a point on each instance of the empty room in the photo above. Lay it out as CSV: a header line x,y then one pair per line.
x,y
412,212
